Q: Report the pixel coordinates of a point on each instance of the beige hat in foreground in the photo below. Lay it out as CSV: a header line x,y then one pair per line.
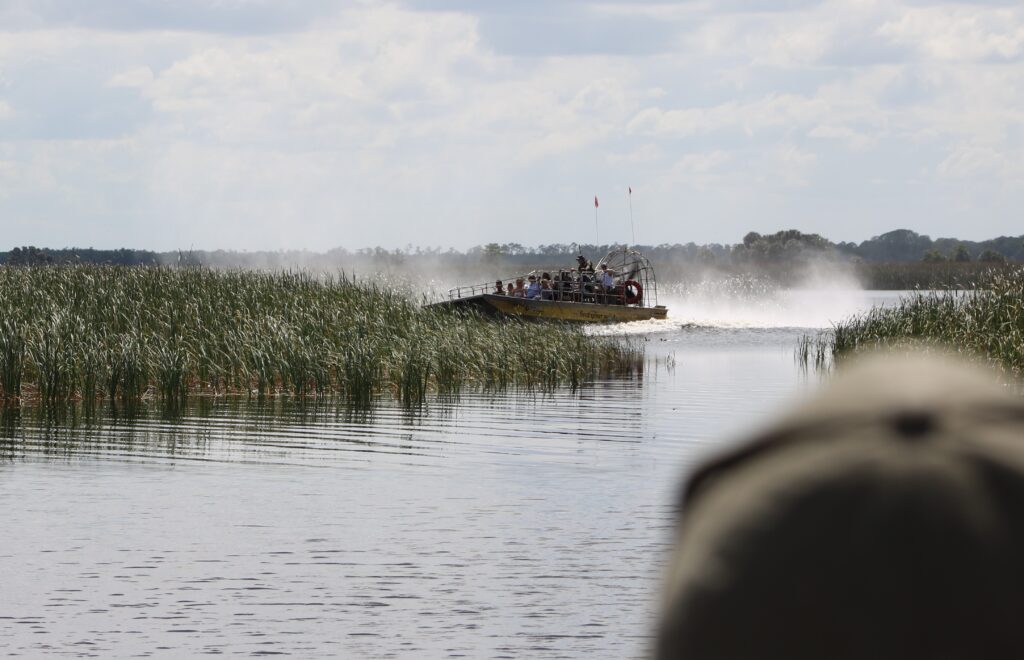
x,y
882,519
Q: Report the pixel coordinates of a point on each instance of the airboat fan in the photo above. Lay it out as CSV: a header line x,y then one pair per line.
x,y
635,274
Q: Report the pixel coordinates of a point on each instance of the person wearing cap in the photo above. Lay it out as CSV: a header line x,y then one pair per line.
x,y
882,520
583,265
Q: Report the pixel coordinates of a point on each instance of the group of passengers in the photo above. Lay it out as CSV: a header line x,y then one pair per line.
x,y
580,284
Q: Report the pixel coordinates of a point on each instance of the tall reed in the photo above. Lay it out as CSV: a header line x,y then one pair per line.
x,y
986,322
127,333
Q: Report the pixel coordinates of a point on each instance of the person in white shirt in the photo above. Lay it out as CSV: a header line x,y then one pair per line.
x,y
533,288
607,280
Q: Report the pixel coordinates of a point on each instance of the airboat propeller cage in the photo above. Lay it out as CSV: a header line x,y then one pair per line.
x,y
631,266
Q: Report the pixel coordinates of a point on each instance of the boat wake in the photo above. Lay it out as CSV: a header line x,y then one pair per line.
x,y
647,327
809,309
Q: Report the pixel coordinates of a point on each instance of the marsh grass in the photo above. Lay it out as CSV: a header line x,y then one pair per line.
x,y
985,323
946,275
132,333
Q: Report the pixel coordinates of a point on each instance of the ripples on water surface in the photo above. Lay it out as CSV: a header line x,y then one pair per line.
x,y
502,526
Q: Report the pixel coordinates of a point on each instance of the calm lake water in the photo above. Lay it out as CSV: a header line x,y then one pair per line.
x,y
504,526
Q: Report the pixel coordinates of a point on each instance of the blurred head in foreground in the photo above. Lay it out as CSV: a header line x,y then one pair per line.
x,y
883,519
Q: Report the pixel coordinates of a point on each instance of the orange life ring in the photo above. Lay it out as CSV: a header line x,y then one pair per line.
x,y
633,298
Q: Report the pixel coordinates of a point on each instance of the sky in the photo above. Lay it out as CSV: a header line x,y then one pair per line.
x,y
313,124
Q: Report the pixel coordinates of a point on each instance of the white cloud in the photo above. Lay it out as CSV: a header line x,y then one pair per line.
x,y
749,118
792,165
376,124
971,161
137,77
698,166
964,33
644,154
854,139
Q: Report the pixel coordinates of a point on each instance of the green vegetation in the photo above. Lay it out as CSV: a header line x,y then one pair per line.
x,y
784,246
900,245
900,259
930,274
95,332
987,323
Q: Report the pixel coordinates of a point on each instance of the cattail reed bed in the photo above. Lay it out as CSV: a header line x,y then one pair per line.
x,y
944,275
986,323
130,333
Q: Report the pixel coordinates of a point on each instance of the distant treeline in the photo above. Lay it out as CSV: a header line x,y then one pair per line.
x,y
900,259
784,247
901,245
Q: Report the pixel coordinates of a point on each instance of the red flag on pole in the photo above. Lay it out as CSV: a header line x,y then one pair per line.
x,y
595,201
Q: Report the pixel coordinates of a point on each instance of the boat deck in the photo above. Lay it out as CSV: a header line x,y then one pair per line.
x,y
584,312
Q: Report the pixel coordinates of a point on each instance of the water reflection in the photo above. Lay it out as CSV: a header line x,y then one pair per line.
x,y
493,525
109,431
304,430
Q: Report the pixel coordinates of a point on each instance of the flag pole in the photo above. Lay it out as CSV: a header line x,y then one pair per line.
x,y
631,226
597,231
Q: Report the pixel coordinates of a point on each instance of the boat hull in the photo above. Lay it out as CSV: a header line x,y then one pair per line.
x,y
556,310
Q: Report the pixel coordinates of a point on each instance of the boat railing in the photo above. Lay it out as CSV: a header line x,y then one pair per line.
x,y
469,290
563,291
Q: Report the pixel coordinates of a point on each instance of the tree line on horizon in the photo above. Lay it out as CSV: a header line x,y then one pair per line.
x,y
783,247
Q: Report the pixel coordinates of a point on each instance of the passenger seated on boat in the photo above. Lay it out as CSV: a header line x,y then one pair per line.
x,y
511,290
587,286
499,288
533,289
546,292
563,285
519,291
607,281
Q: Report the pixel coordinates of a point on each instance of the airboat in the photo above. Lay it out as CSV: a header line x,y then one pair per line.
x,y
574,294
